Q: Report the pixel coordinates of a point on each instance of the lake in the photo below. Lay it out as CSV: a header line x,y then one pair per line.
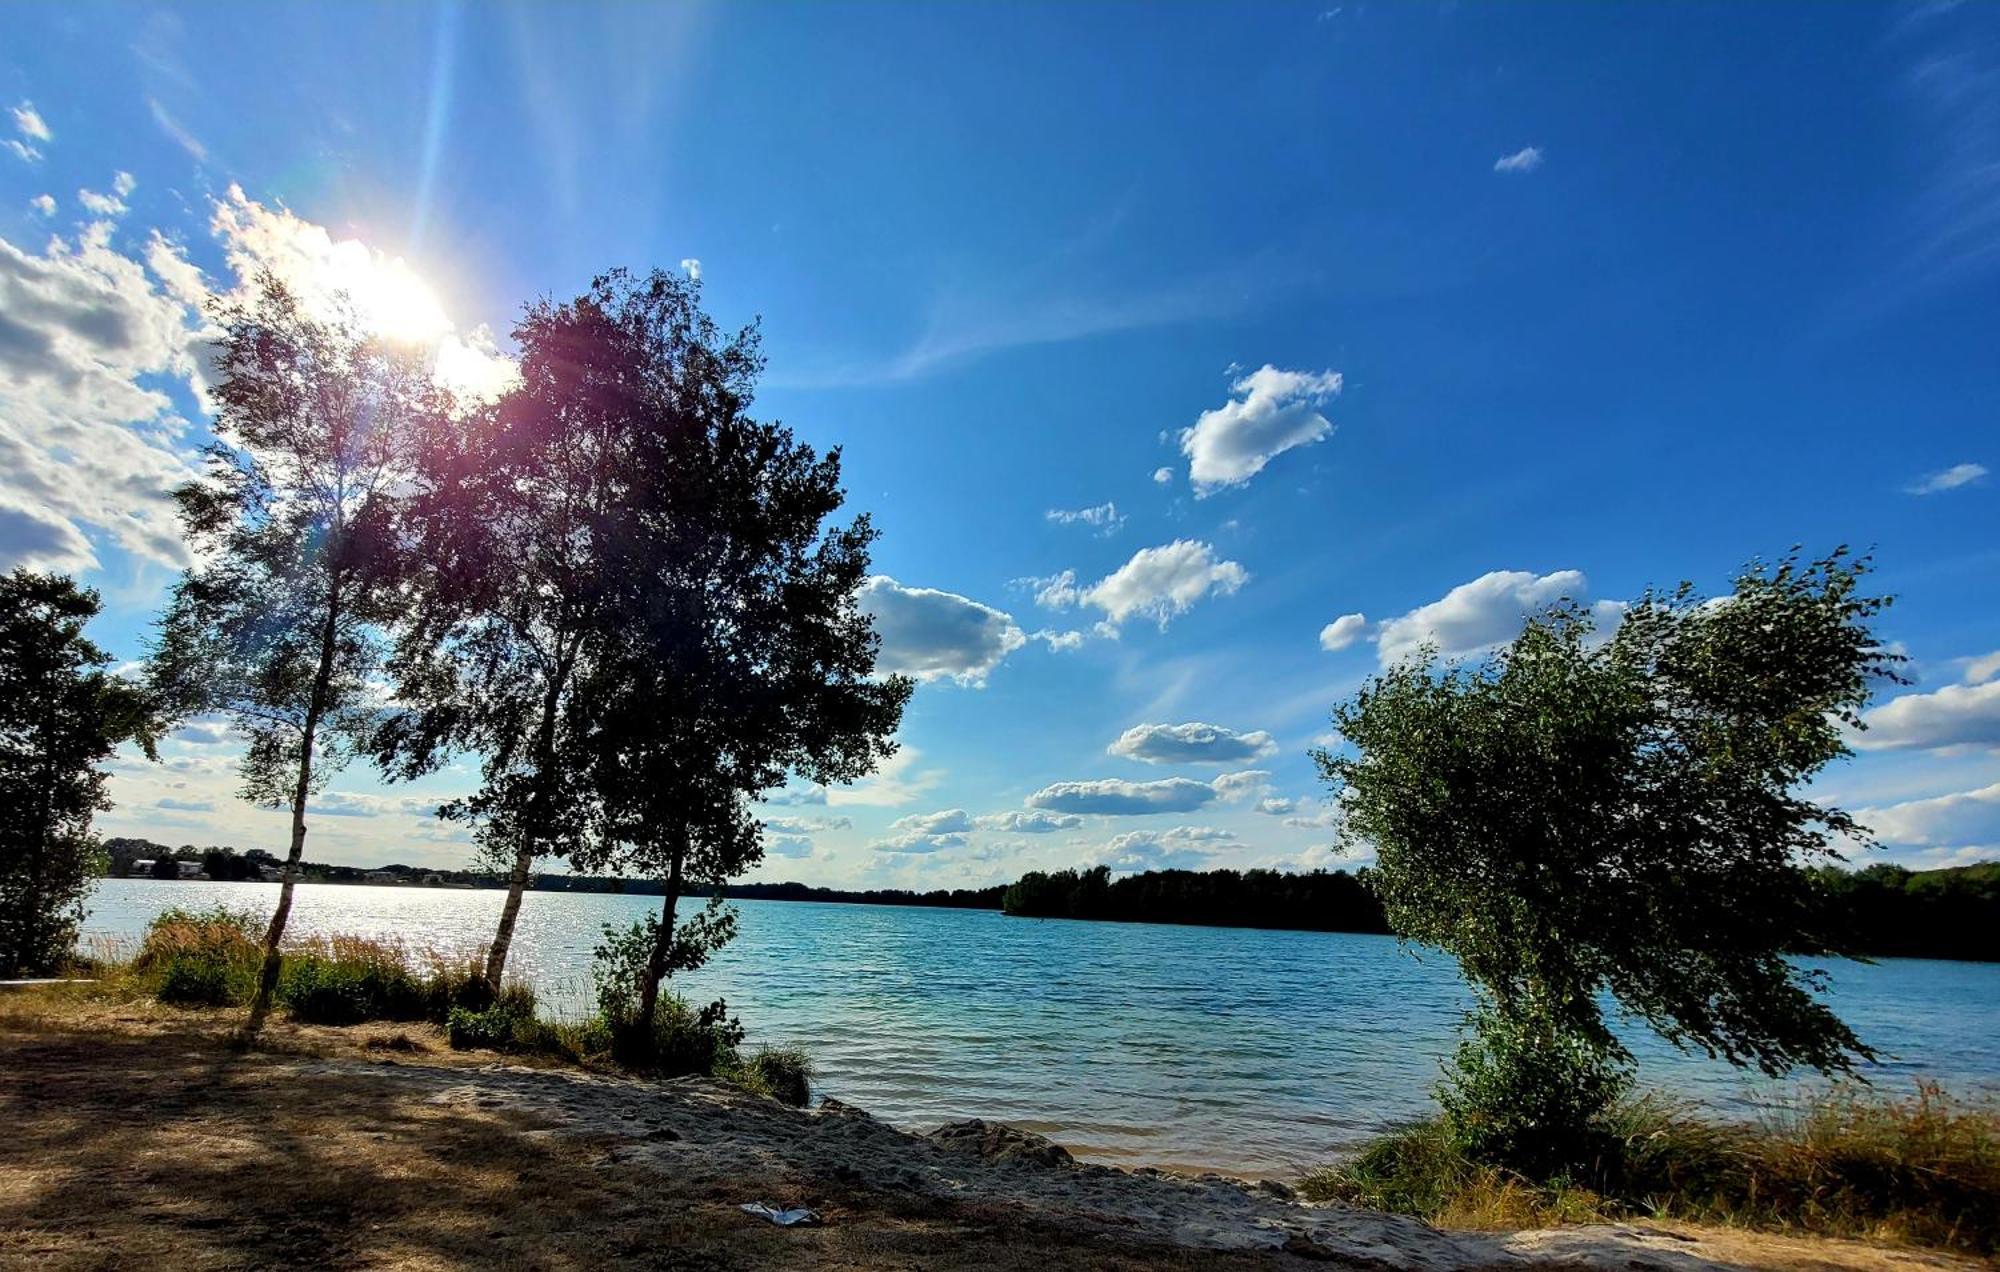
x,y
1255,1053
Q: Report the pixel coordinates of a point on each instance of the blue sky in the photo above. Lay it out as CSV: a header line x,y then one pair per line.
x,y
1420,314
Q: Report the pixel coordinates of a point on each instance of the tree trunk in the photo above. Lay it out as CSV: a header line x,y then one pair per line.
x,y
503,939
524,855
656,966
267,979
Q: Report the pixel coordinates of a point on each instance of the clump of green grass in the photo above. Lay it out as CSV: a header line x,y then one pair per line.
x,y
1923,1170
782,1073
206,958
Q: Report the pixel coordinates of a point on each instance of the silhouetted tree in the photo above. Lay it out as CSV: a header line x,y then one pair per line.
x,y
61,715
740,654
507,591
277,626
1573,817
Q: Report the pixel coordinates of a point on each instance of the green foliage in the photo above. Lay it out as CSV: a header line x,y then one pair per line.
x,y
1892,912
205,958
1576,816
678,1038
782,1073
1923,1169
61,716
502,1027
1522,1092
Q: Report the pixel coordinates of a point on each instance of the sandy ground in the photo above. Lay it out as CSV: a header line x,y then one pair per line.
x,y
131,1135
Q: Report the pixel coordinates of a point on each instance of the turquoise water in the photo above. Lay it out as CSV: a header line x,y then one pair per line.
x,y
1256,1053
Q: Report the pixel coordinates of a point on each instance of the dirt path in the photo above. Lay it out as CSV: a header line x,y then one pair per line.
x,y
141,1140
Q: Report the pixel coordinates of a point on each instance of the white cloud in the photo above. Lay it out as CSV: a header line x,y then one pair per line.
x,y
1191,743
86,439
947,821
355,804
1342,632
1111,797
935,635
1059,642
1276,807
29,123
1270,412
1478,615
1962,820
692,266
177,805
1244,785
44,204
1029,823
1103,517
1524,160
1956,715
806,825
124,183
1982,669
1947,479
1327,817
791,846
893,784
1162,475
172,128
1181,848
22,150
101,204
37,539
1157,583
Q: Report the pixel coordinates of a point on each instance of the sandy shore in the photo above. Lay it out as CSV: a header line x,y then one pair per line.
x,y
137,1136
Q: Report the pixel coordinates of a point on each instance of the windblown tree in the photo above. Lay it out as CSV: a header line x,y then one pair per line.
x,y
61,716
1577,816
739,654
507,586
277,627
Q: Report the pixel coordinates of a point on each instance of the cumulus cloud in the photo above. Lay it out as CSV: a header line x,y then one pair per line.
x,y
1522,161
933,635
1946,479
1111,797
88,441
1162,475
692,266
1032,823
1956,715
124,183
1982,669
44,204
792,846
1342,632
1181,848
1962,820
1158,583
1191,743
1480,614
1277,807
1104,517
1059,642
29,123
355,804
101,204
1269,412
1244,785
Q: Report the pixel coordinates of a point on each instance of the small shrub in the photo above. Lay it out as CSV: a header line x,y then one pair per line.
x,y
783,1073
1526,1094
498,1028
205,958
345,980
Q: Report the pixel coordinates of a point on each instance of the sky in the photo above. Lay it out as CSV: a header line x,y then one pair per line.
x,y
1194,362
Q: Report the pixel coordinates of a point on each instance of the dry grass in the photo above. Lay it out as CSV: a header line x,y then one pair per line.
x,y
1921,1171
137,1138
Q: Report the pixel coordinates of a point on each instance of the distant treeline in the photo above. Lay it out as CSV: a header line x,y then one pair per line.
x,y
1890,912
1322,901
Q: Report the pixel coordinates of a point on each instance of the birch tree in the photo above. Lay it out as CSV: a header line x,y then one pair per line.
x,y
293,520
